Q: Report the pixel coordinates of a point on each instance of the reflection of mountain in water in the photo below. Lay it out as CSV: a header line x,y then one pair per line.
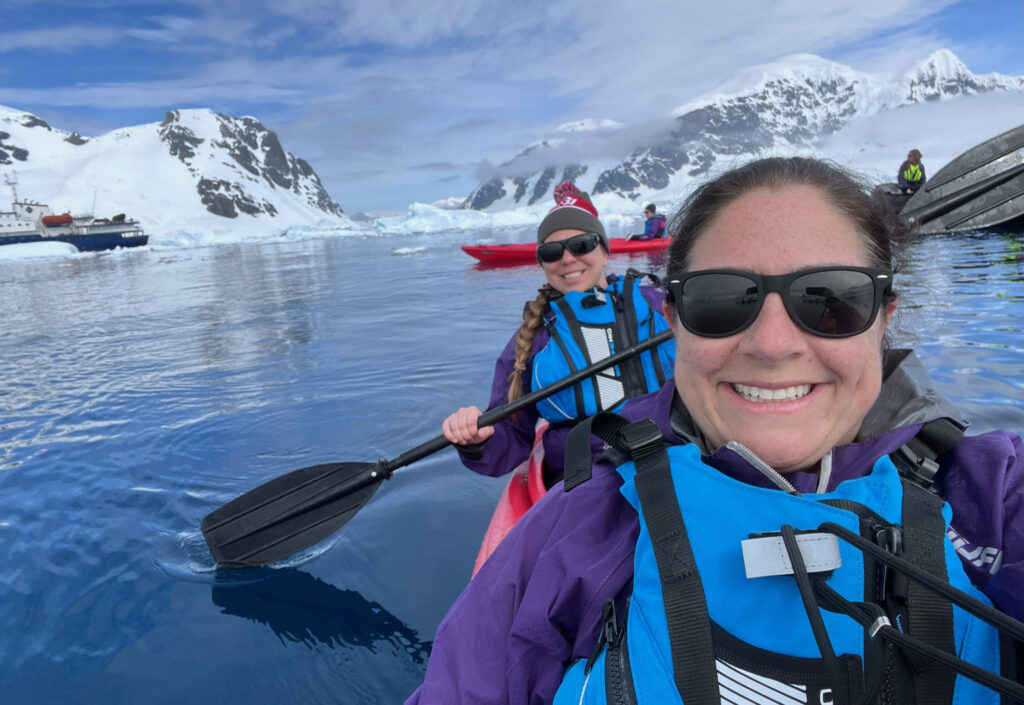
x,y
301,608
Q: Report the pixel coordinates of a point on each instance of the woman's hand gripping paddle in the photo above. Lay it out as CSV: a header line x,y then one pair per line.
x,y
295,511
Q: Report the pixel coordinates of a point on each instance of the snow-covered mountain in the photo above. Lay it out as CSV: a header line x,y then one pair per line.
x,y
193,169
785,106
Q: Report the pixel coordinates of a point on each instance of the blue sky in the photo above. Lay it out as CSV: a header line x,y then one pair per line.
x,y
394,101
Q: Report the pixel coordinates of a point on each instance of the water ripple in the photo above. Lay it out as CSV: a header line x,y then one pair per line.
x,y
140,393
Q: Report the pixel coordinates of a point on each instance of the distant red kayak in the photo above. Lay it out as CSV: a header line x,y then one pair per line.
x,y
524,488
527,251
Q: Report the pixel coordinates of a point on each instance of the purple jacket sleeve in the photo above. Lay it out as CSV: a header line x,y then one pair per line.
x,y
652,227
984,484
531,609
655,297
536,603
513,436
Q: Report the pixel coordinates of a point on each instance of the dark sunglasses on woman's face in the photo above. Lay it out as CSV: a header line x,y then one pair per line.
x,y
831,302
577,245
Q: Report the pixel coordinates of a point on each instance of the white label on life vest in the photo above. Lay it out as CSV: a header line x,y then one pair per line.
x,y
766,555
610,391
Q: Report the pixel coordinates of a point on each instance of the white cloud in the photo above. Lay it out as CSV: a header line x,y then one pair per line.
x,y
360,87
62,40
876,144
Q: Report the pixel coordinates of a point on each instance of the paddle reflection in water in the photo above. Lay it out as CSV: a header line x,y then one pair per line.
x,y
301,608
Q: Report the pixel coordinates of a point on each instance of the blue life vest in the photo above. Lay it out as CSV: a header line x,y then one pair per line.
x,y
757,644
588,327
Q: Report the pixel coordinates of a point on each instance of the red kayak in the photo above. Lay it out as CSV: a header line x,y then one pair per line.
x,y
527,251
524,488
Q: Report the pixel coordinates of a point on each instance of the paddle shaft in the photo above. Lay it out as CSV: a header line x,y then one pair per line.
x,y
953,200
384,468
285,515
499,413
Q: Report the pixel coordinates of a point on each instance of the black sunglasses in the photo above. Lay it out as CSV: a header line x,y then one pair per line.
x,y
831,302
577,245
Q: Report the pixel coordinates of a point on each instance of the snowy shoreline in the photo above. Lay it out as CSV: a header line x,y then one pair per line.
x,y
872,146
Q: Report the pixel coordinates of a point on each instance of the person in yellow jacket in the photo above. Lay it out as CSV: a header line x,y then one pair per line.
x,y
911,176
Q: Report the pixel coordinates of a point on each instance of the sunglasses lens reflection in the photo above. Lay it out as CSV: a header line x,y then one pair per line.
x,y
577,245
719,304
832,303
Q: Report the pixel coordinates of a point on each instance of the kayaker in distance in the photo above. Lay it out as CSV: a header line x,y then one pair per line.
x,y
911,175
654,225
572,250
780,300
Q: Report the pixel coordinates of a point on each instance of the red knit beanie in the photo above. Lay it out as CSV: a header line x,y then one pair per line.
x,y
573,210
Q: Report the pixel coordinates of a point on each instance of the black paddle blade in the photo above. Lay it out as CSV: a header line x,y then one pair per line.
x,y
289,513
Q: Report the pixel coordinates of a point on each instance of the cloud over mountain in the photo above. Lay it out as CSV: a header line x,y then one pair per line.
x,y
784,106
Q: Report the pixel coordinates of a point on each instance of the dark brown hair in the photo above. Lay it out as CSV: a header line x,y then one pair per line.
x,y
881,229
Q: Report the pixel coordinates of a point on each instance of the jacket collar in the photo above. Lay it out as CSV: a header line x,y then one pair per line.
x,y
906,400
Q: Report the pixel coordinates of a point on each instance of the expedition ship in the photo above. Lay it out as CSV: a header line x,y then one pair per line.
x,y
29,222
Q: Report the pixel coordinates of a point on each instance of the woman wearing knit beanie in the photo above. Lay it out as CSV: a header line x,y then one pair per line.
x,y
578,318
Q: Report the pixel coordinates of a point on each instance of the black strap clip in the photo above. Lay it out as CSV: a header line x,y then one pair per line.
x,y
917,466
640,436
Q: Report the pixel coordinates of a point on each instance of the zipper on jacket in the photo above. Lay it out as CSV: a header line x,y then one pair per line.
x,y
618,681
889,595
765,469
609,631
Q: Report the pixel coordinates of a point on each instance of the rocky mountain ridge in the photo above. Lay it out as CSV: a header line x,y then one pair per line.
x,y
233,168
258,152
776,107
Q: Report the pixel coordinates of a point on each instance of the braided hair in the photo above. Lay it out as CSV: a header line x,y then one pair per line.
x,y
533,315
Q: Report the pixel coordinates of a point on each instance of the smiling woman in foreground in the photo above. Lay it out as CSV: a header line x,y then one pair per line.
x,y
700,571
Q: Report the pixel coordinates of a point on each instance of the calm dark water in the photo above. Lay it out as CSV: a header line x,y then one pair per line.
x,y
141,390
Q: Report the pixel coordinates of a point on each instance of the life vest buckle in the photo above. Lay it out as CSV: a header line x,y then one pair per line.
x,y
640,435
889,583
918,467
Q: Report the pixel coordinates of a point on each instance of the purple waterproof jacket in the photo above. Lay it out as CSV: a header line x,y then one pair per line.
x,y
654,227
535,606
513,437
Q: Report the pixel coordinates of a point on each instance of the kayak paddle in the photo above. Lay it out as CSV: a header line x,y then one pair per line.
x,y
295,511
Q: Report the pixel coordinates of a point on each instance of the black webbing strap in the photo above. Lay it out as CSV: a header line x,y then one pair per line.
x,y
929,615
660,373
1011,664
627,334
563,309
579,461
659,370
689,627
916,459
